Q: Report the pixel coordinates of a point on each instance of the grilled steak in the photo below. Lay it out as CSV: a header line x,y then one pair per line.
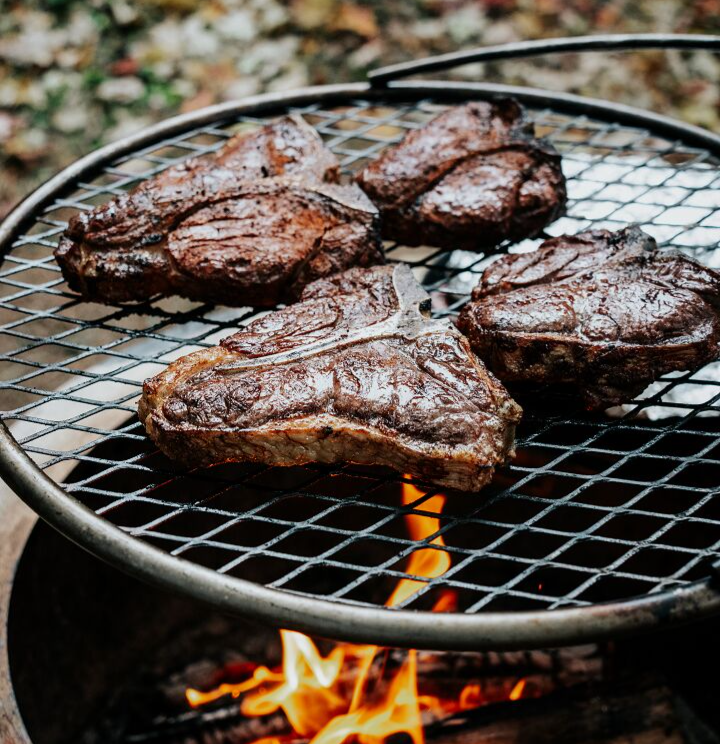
x,y
602,313
357,371
471,178
250,224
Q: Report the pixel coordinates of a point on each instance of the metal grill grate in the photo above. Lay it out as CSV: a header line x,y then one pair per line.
x,y
596,508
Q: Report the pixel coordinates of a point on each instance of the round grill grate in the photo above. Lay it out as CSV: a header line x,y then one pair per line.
x,y
595,509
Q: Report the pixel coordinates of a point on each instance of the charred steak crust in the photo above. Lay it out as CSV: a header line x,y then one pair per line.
x,y
602,313
357,371
250,224
470,178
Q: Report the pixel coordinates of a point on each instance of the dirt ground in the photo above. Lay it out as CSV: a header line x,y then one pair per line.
x,y
76,74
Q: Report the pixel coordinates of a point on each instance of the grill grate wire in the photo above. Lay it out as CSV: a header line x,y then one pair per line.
x,y
595,508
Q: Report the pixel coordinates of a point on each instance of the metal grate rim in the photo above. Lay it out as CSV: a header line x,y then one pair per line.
x,y
73,372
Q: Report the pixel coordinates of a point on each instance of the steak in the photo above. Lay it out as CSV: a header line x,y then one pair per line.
x,y
601,313
471,178
357,371
248,225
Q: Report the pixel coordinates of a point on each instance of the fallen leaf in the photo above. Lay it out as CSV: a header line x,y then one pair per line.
x,y
125,66
201,99
310,14
179,6
608,17
500,5
29,146
9,124
358,19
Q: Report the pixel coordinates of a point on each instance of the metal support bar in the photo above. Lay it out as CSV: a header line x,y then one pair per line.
x,y
522,49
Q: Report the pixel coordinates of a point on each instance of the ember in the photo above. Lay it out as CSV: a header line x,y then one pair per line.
x,y
350,694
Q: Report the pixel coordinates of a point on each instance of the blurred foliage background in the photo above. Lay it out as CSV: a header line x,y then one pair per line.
x,y
75,74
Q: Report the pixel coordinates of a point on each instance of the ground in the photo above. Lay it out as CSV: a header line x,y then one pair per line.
x,y
74,75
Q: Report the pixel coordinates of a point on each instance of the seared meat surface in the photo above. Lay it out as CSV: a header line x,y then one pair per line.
x,y
470,178
250,224
602,313
357,371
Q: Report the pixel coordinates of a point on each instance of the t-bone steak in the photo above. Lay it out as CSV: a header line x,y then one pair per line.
x,y
470,178
357,371
251,224
602,313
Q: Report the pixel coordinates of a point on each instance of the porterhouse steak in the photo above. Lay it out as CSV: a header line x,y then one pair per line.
x,y
470,178
602,313
250,224
357,371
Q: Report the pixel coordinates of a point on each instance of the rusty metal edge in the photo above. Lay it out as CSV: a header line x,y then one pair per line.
x,y
16,523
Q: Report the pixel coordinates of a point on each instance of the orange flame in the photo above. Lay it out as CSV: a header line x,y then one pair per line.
x,y
260,676
397,711
314,691
517,691
427,562
307,691
447,602
470,697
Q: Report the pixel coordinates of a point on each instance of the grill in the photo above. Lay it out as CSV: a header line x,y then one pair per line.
x,y
604,524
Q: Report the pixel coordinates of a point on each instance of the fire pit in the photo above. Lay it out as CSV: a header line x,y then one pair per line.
x,y
94,656
604,526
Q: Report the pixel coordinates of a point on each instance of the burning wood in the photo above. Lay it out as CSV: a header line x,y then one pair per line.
x,y
625,710
355,692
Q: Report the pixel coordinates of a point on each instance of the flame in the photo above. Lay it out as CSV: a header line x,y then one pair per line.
x,y
315,692
427,562
396,712
447,602
517,690
260,676
470,696
307,693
